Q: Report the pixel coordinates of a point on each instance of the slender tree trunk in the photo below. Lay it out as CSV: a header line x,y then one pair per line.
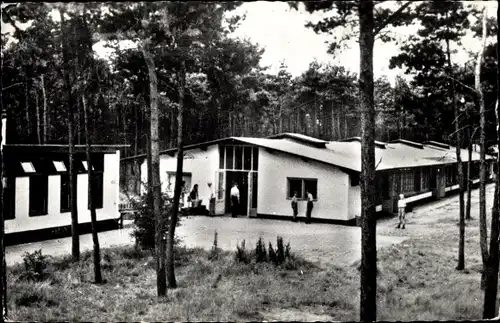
x,y
483,233
3,267
155,172
75,249
368,286
469,177
490,293
45,112
178,178
461,243
38,123
93,216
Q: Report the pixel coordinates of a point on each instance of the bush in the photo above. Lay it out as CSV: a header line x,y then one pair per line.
x,y
280,251
272,254
260,251
35,266
241,254
144,231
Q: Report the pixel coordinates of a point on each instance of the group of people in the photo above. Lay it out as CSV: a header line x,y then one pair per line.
x,y
309,206
193,198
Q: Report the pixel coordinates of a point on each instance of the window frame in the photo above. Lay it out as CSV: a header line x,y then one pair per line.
x,y
303,188
44,210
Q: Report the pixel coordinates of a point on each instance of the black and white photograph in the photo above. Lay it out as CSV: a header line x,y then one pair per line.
x,y
250,161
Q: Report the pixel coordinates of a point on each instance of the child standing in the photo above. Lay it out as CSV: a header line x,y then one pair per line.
x,y
401,211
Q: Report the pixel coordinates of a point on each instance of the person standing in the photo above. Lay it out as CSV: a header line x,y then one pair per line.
x,y
294,206
310,206
211,201
194,196
235,199
401,211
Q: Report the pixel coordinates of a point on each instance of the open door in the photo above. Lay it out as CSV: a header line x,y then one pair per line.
x,y
220,192
252,195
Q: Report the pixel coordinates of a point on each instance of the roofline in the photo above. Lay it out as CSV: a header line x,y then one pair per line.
x,y
56,148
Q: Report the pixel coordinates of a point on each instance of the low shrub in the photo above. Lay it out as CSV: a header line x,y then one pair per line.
x,y
260,251
241,254
35,266
272,253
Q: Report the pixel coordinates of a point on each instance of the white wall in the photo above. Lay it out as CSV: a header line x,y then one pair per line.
x,y
4,131
54,218
272,199
202,166
354,201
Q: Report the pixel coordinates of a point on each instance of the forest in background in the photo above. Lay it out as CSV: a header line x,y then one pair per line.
x,y
228,92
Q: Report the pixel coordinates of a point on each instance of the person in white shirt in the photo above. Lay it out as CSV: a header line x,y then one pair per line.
x,y
295,207
235,199
310,206
211,201
401,211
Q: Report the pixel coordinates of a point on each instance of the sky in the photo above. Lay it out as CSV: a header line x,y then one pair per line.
x,y
282,32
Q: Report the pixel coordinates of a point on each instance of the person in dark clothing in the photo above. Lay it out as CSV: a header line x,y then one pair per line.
x,y
235,199
310,206
294,206
193,196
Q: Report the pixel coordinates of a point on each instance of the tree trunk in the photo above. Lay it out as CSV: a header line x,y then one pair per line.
x,y
3,267
483,233
161,285
75,249
37,119
490,293
93,216
178,178
461,242
469,177
45,112
368,286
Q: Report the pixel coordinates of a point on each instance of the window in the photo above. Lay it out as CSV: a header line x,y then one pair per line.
x,y
38,192
65,195
295,185
59,165
417,180
255,164
97,190
28,167
229,157
425,179
220,188
247,158
238,157
301,186
407,181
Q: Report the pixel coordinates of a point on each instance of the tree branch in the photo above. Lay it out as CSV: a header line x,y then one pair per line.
x,y
12,85
459,82
11,21
388,19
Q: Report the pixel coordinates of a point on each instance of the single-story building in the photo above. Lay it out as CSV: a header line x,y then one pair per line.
x,y
36,190
268,171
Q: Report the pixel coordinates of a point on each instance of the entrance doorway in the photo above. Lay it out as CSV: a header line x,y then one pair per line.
x,y
241,178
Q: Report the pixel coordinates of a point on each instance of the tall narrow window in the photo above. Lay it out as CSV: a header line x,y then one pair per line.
x,y
221,157
255,162
238,157
38,195
65,197
220,189
97,190
247,158
229,157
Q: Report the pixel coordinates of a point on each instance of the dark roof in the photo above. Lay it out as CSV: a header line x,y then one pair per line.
x,y
30,148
